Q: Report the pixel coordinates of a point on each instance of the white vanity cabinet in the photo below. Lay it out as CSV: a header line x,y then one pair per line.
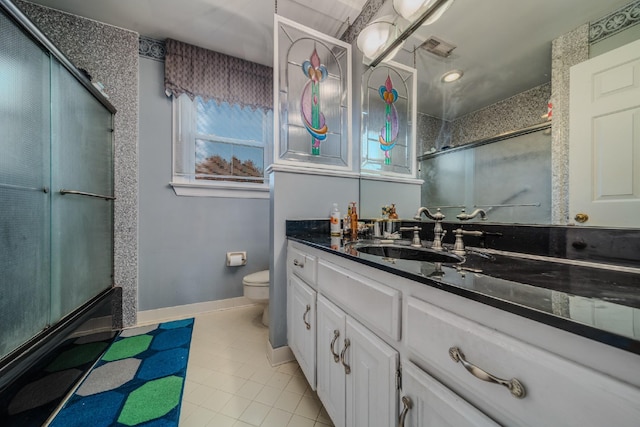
x,y
371,324
301,312
427,403
529,386
356,370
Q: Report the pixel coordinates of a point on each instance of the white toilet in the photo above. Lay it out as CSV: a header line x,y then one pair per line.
x,y
256,288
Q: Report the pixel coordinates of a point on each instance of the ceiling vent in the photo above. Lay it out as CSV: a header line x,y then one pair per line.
x,y
438,46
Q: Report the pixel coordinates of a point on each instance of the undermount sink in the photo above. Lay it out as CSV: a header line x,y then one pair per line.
x,y
407,253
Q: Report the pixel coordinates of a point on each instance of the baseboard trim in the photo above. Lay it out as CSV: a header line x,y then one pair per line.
x,y
189,310
280,355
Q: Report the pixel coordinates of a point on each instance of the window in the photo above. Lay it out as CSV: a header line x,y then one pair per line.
x,y
220,149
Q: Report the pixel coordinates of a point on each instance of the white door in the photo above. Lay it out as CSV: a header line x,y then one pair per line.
x,y
604,152
302,327
371,384
428,403
330,370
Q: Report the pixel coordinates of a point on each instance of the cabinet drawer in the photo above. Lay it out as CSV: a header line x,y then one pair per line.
x,y
431,404
302,264
558,391
371,302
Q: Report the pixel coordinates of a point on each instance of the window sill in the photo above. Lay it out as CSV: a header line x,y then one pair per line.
x,y
226,190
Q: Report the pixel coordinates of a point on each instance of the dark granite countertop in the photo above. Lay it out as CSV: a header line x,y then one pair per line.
x,y
597,303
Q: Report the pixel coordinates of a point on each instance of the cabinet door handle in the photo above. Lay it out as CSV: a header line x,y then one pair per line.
x,y
336,356
407,405
347,368
298,263
515,387
304,317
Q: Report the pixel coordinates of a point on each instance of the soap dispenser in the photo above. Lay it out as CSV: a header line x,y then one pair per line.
x,y
335,221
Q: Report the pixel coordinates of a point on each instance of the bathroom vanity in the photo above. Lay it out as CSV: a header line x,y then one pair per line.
x,y
390,342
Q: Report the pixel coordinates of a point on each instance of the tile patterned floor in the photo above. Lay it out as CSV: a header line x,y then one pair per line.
x,y
230,382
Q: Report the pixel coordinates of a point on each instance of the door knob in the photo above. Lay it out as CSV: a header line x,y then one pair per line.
x,y
581,217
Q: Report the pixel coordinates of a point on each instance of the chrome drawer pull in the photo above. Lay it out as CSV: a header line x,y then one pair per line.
x,y
304,317
336,356
347,368
298,263
407,405
515,387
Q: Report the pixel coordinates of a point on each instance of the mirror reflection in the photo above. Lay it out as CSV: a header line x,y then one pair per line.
x,y
507,108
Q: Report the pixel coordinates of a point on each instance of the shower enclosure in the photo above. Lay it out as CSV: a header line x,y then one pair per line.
x,y
56,188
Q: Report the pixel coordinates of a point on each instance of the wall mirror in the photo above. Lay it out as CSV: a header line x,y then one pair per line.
x,y
504,56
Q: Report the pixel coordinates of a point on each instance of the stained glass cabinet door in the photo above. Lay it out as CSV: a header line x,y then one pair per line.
x,y
388,121
312,95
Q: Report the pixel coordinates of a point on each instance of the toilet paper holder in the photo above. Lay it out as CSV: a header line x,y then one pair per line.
x,y
236,259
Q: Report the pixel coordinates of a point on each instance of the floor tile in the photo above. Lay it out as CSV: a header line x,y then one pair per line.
x,y
308,407
220,420
268,395
216,400
276,418
255,413
199,418
249,390
230,382
297,385
235,407
279,380
298,421
288,401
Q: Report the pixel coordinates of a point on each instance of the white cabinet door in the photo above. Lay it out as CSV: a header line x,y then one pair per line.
x,y
371,384
331,371
302,326
430,404
604,151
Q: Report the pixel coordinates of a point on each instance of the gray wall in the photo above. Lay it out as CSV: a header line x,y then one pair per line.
x,y
297,196
183,240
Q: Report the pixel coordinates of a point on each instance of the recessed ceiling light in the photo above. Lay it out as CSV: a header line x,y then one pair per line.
x,y
451,76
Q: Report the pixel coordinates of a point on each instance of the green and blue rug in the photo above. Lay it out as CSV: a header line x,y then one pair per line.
x,y
138,381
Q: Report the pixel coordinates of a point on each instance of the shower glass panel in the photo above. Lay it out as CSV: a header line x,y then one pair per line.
x,y
81,225
24,176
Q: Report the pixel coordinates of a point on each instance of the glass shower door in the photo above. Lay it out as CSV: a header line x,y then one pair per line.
x,y
24,183
82,195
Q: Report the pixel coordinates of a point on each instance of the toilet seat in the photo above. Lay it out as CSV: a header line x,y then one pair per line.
x,y
256,289
261,278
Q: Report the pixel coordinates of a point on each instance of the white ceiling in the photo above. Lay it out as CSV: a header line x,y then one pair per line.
x,y
503,46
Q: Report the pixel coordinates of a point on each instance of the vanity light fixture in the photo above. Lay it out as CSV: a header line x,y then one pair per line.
x,y
427,12
451,76
413,9
373,39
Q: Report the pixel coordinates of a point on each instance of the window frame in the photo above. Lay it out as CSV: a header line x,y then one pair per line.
x,y
183,144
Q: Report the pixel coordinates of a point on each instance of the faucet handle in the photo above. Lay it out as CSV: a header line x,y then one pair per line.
x,y
462,216
415,242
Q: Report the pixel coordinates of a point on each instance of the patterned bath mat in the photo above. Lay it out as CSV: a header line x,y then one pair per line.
x,y
137,382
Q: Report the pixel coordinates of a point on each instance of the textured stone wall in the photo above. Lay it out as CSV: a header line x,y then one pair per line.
x,y
567,50
110,55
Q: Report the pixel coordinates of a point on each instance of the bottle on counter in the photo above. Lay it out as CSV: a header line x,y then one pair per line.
x,y
392,212
334,220
354,221
346,221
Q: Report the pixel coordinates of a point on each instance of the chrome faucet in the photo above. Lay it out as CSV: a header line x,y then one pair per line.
x,y
438,232
464,216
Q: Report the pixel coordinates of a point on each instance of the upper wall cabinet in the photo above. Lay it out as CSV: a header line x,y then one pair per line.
x,y
388,120
312,96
